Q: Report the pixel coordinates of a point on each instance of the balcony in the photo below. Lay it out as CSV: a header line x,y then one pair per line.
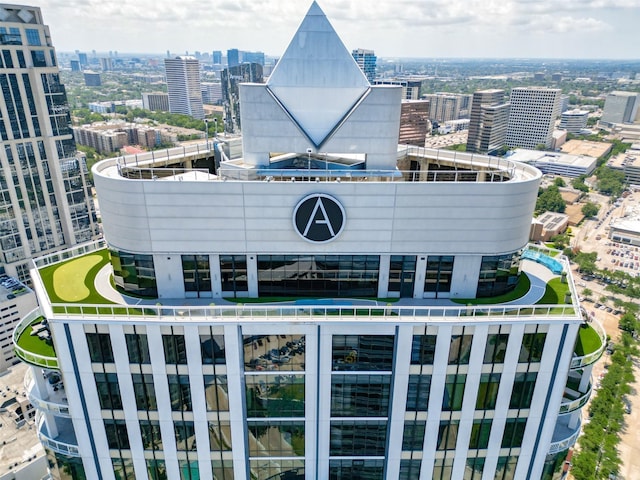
x,y
56,402
65,442
34,349
573,399
564,436
590,343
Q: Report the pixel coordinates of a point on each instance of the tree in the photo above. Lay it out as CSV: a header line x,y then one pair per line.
x,y
550,200
610,181
559,182
587,292
590,209
578,184
628,323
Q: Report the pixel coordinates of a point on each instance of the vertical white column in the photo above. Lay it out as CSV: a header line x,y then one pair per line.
x,y
198,405
127,393
216,276
311,369
324,401
233,350
165,414
383,276
399,399
421,269
474,372
252,275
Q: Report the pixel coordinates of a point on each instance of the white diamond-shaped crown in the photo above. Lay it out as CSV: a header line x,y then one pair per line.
x,y
317,80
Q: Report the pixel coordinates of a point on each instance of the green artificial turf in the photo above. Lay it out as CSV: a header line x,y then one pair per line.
x,y
588,341
522,287
35,344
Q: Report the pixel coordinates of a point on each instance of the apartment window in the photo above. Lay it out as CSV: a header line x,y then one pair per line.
x,y
448,435
362,352
438,274
157,469
410,469
275,395
496,348
116,431
402,274
460,349
453,392
38,58
219,436
480,432
532,347
212,348
138,348
488,391
498,274
474,468
506,468
276,438
413,436
33,37
222,469
524,385
175,349
443,469
185,435
360,395
233,272
418,393
100,349
423,349
144,391
134,273
513,432
151,437
216,393
179,392
274,352
123,468
108,391
196,273
358,438
365,469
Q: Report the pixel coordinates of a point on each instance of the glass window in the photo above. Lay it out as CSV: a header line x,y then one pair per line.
x,y
474,468
438,275
318,275
524,385
21,60
496,348
216,393
460,349
38,57
442,469
212,348
233,272
480,432
274,352
402,273
448,434
219,436
280,469
138,348
134,273
116,431
513,432
410,469
275,395
506,468
108,391
179,392
488,391
360,395
33,37
453,392
175,349
196,273
151,437
157,469
423,349
498,274
276,438
362,352
356,469
123,468
188,469
418,393
144,391
222,469
100,349
413,436
185,435
532,347
358,438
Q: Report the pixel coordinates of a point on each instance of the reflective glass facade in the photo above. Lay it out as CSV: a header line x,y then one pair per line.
x,y
134,273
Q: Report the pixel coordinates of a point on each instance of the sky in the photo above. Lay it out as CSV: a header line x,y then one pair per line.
x,y
392,28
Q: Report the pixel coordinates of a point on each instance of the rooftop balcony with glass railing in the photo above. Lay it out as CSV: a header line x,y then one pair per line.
x,y
33,343
52,398
590,344
64,442
565,434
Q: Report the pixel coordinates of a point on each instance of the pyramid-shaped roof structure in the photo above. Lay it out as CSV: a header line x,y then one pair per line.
x,y
317,80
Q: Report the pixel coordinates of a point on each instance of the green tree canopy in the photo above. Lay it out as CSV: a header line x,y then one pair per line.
x,y
590,209
550,200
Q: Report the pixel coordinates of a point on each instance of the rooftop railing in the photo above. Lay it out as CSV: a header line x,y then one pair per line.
x,y
588,359
29,355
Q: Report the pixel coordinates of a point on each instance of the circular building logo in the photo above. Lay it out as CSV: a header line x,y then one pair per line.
x,y
318,218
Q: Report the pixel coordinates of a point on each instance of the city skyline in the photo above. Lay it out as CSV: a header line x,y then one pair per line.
x,y
470,29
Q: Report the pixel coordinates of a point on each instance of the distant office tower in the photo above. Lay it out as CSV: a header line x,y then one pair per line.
x,y
237,57
75,65
82,58
183,85
211,93
532,116
217,57
410,88
92,79
620,107
366,60
43,185
233,57
448,106
106,64
414,122
232,77
564,103
573,121
488,123
157,102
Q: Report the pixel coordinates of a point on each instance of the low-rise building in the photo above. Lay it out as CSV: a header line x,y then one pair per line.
x,y
16,300
548,225
573,121
556,163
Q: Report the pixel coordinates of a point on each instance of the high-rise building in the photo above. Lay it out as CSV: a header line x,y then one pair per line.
x,y
212,93
16,301
366,60
414,122
410,88
333,384
448,106
183,86
488,122
233,57
45,202
232,77
216,57
620,107
75,65
573,121
532,116
158,101
92,79
237,57
82,58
